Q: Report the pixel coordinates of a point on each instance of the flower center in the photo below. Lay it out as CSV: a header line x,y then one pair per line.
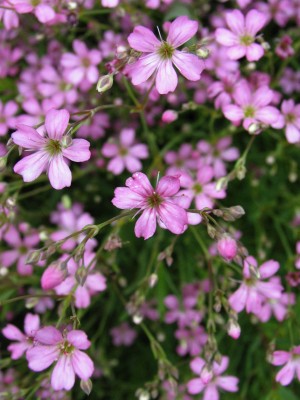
x,y
290,118
166,50
123,151
246,40
197,188
66,348
249,112
53,147
86,62
35,3
155,200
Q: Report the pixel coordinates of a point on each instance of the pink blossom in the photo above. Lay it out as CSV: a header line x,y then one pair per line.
x,y
9,57
255,288
81,67
251,107
125,153
94,127
240,38
278,10
223,90
169,116
42,10
50,150
158,57
184,314
210,381
110,3
22,342
202,190
89,285
21,240
291,116
123,335
290,81
7,119
185,159
284,48
191,340
65,350
157,205
291,359
8,16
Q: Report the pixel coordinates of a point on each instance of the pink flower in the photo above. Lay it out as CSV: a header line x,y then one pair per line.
x,y
7,119
158,57
255,289
191,340
123,335
43,11
242,34
8,16
291,115
81,67
50,150
23,342
291,359
157,205
210,381
110,3
284,48
125,153
65,350
184,314
251,106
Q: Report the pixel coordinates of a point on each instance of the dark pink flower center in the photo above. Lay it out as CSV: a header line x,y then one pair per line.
x,y
66,348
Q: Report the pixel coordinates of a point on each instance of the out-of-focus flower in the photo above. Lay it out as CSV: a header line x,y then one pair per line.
x,y
291,359
123,335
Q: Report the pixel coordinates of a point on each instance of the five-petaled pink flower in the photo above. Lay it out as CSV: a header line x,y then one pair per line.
x,y
50,150
158,57
64,349
242,34
157,205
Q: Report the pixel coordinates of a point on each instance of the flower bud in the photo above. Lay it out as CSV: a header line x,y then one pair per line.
x,y
52,276
227,247
206,374
33,257
137,318
169,116
86,386
104,83
202,52
233,329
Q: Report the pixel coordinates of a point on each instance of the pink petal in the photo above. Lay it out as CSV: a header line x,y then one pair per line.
x,y
255,21
292,133
211,393
268,269
233,113
280,357
69,60
235,21
173,217
166,78
142,39
31,167
146,224
139,183
28,138
82,297
78,339
254,52
11,332
78,151
126,199
236,52
116,165
59,173
181,30
132,164
127,137
56,123
48,336
31,324
44,13
41,357
195,386
238,299
18,349
189,65
242,94
82,364
63,375
96,282
168,186
228,383
92,74
110,149
139,151
141,70
226,37
268,115
9,257
286,374
197,365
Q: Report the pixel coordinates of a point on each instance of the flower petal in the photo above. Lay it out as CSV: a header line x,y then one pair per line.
x,y
189,65
56,123
31,167
181,30
63,375
146,224
78,151
59,173
166,78
82,365
142,39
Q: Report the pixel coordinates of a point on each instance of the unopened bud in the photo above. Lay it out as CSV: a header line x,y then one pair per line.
x,y
52,276
233,329
254,128
66,141
104,83
153,278
206,374
222,183
3,162
211,231
169,116
86,386
142,394
137,318
81,275
202,52
33,257
227,247
236,211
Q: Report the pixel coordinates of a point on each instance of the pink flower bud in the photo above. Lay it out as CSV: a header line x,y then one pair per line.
x,y
227,247
52,277
234,329
169,116
206,374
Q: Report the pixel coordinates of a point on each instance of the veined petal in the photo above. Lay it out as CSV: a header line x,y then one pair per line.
x,y
48,336
146,224
226,37
82,365
235,21
254,22
168,186
173,217
41,357
181,30
166,78
28,138
78,339
236,52
63,375
143,68
142,39
189,65
78,151
125,199
13,333
31,167
59,173
56,123
254,52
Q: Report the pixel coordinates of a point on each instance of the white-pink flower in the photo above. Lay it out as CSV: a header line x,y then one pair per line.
x,y
50,150
157,205
291,359
241,35
158,57
65,350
